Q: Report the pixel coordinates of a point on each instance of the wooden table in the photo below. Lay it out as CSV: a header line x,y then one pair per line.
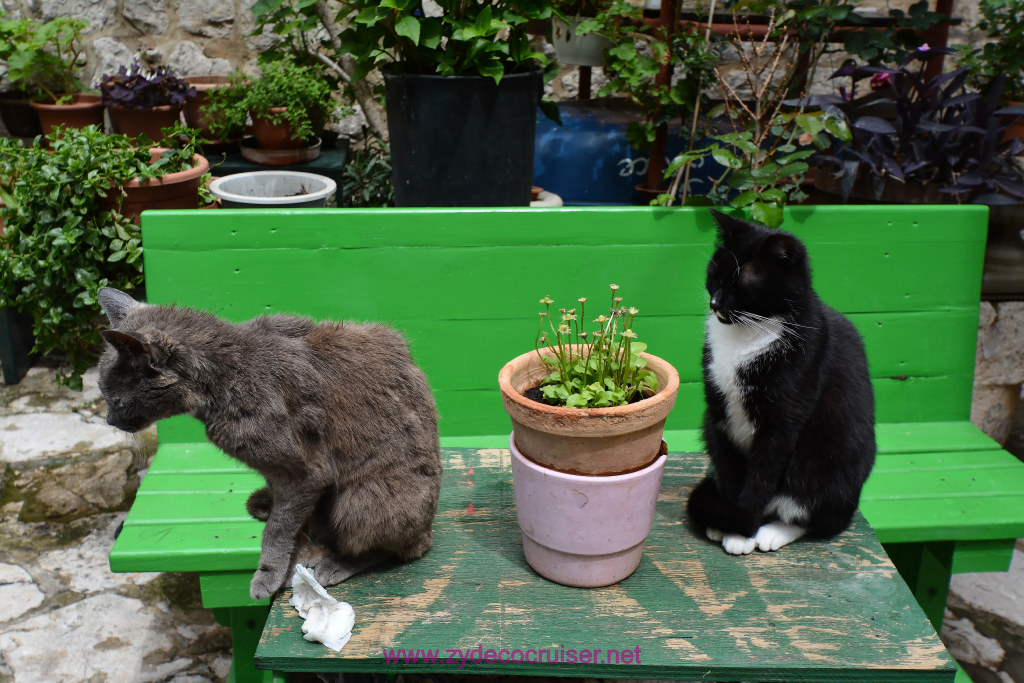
x,y
813,611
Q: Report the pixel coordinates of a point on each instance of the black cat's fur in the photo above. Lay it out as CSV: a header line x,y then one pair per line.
x,y
789,425
335,416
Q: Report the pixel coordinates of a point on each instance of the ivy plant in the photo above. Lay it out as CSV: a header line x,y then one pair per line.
x,y
59,244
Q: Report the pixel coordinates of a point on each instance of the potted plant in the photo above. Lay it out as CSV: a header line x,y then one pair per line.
x,y
66,234
588,409
193,111
662,70
570,46
222,114
18,117
273,189
1003,23
143,100
917,139
760,140
45,67
462,85
288,104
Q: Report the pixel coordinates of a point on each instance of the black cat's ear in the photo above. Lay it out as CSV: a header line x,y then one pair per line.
x,y
784,248
728,227
115,304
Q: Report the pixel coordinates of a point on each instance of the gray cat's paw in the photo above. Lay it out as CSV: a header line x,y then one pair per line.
x,y
265,583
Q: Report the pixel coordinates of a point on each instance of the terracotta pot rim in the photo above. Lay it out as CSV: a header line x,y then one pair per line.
x,y
666,393
155,107
201,166
78,101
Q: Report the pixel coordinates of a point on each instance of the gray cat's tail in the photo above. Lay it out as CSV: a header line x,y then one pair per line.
x,y
259,504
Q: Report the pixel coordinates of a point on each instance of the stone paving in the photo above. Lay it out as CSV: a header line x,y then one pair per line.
x,y
68,478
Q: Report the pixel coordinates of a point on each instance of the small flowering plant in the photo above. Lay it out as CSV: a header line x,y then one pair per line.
x,y
597,368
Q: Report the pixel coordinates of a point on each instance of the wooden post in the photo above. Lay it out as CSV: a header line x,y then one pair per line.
x,y
667,24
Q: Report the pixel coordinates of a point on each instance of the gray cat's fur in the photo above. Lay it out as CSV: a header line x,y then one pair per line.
x,y
336,417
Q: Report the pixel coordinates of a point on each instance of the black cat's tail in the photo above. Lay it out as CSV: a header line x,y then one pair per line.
x,y
708,509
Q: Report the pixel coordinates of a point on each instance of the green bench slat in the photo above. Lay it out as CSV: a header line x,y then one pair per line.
x,y
921,437
959,465
187,546
986,516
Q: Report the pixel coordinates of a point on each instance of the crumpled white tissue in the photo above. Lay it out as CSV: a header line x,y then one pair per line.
x,y
327,620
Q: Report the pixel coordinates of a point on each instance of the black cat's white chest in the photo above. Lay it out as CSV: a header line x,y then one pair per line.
x,y
732,350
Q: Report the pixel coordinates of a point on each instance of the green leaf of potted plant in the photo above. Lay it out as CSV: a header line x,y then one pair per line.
x,y
144,100
571,47
67,233
588,409
45,66
462,83
288,104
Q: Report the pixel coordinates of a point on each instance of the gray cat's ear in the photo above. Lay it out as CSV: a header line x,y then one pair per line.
x,y
153,349
116,304
127,345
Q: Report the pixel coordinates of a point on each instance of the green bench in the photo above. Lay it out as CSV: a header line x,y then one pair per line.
x,y
463,285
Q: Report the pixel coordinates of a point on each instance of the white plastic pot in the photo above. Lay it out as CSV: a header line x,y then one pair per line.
x,y
265,189
584,531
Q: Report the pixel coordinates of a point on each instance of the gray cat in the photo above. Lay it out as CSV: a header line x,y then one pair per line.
x,y
335,416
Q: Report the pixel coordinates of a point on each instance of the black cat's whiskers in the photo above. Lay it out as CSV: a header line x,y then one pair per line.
x,y
779,328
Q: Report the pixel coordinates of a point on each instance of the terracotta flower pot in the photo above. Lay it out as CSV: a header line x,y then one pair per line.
x,y
178,190
19,118
595,441
584,531
135,122
193,116
274,135
84,110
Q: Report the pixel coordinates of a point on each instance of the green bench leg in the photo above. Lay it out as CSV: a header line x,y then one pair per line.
x,y
246,624
927,568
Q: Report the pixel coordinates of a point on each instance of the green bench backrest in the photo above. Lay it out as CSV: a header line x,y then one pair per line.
x,y
464,285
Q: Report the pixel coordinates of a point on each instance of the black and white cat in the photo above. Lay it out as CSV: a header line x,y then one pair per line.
x,y
789,425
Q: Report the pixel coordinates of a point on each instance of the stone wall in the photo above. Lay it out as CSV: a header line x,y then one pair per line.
x,y
201,37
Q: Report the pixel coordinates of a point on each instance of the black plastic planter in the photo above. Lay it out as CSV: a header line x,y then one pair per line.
x,y
16,342
462,140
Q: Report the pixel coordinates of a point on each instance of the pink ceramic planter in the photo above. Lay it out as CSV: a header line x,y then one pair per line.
x,y
580,530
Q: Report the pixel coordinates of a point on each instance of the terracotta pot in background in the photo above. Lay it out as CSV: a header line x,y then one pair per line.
x,y
135,122
19,118
172,191
275,135
84,110
193,115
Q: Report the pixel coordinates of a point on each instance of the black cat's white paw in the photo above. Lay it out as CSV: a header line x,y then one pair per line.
x,y
734,544
774,535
